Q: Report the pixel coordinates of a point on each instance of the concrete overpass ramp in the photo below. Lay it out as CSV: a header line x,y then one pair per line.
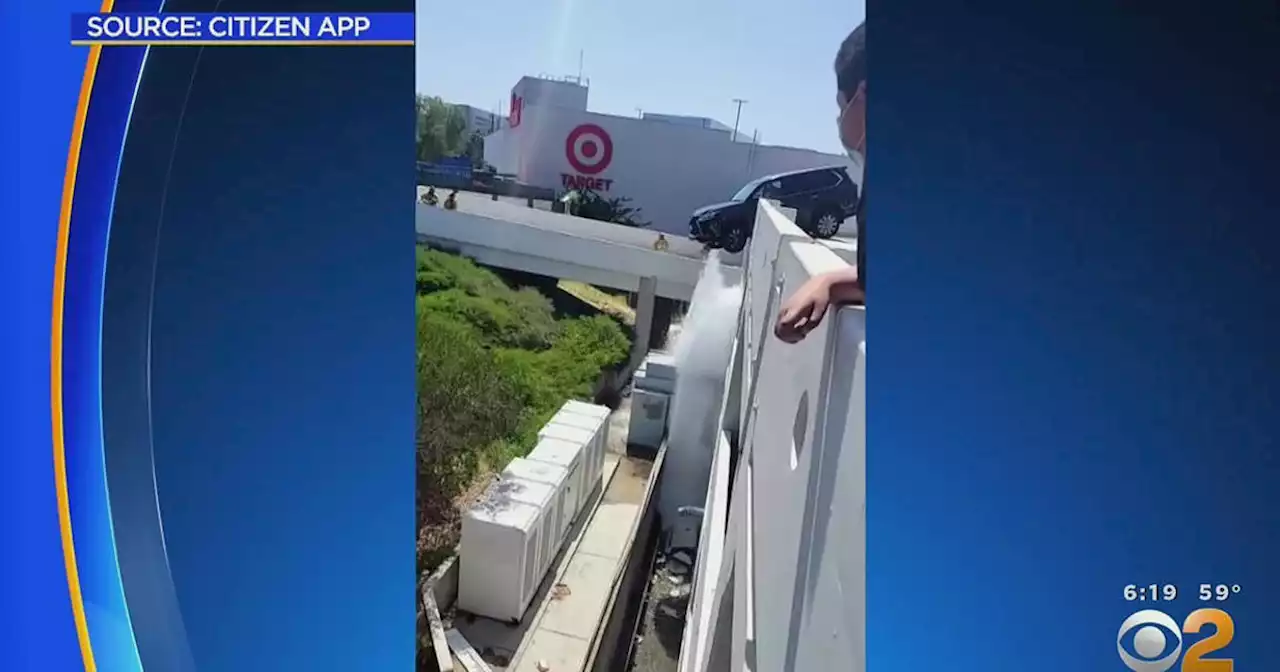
x,y
507,235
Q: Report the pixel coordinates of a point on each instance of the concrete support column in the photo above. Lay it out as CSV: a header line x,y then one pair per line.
x,y
645,300
663,313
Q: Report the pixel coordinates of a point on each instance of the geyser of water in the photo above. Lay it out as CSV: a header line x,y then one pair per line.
x,y
701,348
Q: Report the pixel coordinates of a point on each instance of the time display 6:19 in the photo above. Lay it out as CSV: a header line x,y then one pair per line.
x,y
1152,592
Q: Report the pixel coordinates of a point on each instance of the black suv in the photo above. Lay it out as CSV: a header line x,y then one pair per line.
x,y
822,197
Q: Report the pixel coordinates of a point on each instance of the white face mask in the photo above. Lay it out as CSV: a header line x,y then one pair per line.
x,y
859,161
859,170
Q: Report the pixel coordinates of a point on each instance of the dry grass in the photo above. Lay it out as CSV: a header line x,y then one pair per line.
x,y
437,540
602,301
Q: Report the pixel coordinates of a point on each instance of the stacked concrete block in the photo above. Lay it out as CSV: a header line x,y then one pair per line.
x,y
499,556
651,393
510,539
589,425
556,478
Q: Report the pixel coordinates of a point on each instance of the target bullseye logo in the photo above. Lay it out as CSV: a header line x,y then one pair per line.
x,y
589,149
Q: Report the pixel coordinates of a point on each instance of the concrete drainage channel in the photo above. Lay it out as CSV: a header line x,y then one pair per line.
x,y
657,619
618,624
643,628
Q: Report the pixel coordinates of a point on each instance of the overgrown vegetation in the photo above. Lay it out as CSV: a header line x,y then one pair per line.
x,y
494,363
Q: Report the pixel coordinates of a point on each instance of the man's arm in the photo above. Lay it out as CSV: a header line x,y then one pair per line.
x,y
805,309
844,286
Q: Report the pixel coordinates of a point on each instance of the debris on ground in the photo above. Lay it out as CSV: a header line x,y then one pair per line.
x,y
560,591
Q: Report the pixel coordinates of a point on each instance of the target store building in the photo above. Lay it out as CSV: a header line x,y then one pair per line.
x,y
668,165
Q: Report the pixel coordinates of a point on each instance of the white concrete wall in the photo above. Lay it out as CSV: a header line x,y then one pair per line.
x,y
711,550
667,169
798,512
774,227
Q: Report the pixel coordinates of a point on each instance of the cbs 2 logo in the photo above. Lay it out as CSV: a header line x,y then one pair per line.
x,y
1150,641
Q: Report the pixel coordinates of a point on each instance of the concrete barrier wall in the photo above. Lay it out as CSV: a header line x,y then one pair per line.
x,y
806,554
795,557
711,549
774,227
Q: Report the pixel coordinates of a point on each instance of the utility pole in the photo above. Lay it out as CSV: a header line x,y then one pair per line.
x,y
751,152
737,117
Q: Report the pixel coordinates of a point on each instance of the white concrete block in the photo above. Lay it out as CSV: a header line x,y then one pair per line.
x,y
648,418
660,365
589,439
643,381
546,498
584,408
568,456
554,477
498,557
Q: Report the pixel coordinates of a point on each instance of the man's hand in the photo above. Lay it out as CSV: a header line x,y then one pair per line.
x,y
803,312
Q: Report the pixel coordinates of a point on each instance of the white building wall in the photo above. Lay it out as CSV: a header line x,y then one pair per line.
x,y
667,169
700,122
544,92
502,151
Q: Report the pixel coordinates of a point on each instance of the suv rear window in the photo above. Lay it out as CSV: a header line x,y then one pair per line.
x,y
801,183
824,179
794,184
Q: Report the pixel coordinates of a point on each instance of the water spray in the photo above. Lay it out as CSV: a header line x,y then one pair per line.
x,y
701,348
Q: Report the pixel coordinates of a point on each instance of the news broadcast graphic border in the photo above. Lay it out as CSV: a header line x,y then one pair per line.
x,y
1076,375
37,619
1075,328
110,82
311,567
242,28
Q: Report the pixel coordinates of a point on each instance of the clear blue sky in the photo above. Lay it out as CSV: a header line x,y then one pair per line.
x,y
672,56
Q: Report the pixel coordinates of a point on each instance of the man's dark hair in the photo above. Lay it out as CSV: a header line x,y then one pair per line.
x,y
851,61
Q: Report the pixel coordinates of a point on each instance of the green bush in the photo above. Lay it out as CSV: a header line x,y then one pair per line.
x,y
493,365
437,270
502,316
500,320
466,401
545,379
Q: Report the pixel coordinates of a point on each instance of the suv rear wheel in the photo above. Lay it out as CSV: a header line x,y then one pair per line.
x,y
735,239
825,223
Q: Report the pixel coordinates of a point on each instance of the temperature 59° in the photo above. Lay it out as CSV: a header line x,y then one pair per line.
x,y
1218,592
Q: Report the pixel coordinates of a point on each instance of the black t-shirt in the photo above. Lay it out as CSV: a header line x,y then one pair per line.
x,y
862,240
